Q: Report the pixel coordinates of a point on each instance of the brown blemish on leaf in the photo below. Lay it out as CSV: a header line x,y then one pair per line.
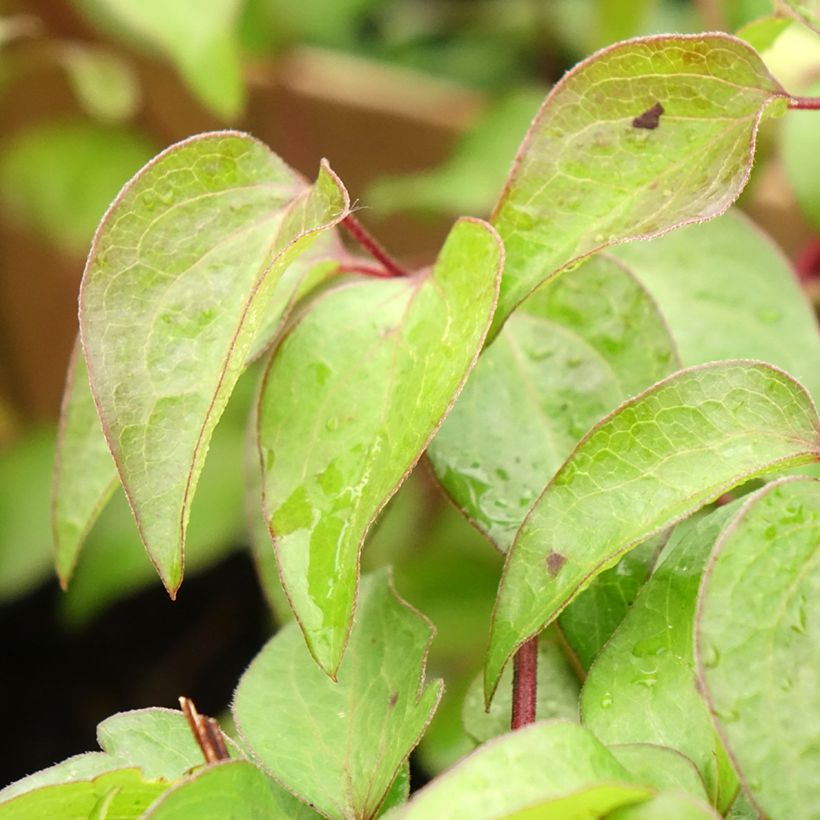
x,y
650,119
394,697
554,563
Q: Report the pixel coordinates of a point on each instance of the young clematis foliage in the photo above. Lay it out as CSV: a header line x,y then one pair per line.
x,y
758,611
658,458
642,137
352,396
174,292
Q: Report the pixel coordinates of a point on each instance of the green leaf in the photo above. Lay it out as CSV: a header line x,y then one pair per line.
x,y
667,806
591,618
201,40
739,298
157,741
802,159
557,693
102,80
762,33
757,645
806,12
339,745
655,460
353,395
25,551
79,767
174,292
661,767
575,350
84,472
641,689
227,790
399,790
59,178
537,766
125,793
599,167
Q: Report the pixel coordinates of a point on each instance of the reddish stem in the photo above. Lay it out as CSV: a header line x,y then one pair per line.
x,y
805,103
525,684
372,246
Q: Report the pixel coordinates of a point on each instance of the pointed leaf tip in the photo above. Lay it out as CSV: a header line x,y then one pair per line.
x,y
174,291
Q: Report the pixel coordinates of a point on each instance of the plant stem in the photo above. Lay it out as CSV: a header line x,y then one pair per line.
x,y
206,732
525,684
372,246
805,103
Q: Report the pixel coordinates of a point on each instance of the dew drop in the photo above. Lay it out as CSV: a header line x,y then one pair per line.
x,y
769,315
709,655
727,715
606,700
332,424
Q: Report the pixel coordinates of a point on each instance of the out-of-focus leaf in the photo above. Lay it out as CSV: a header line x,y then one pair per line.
x,y
762,33
641,689
339,745
173,295
806,12
102,80
201,39
801,136
124,794
25,554
59,178
557,693
655,460
227,790
757,645
573,352
510,774
467,182
661,767
728,293
353,395
642,137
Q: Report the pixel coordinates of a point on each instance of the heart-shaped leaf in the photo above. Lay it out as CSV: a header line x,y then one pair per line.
x,y
547,767
655,460
757,639
644,136
573,352
182,267
641,688
229,789
672,805
339,745
352,396
739,298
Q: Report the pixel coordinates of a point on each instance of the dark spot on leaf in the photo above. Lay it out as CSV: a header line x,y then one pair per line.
x,y
554,563
650,119
394,697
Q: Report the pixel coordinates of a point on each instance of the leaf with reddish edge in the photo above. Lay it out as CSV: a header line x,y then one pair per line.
x,y
84,472
174,292
756,645
353,394
597,168
655,460
340,745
